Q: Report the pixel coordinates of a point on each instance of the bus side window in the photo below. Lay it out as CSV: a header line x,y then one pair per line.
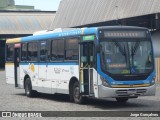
x,y
32,51
57,52
71,49
10,53
24,52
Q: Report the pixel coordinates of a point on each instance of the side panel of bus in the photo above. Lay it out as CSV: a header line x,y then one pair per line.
x,y
9,68
31,70
9,65
57,76
60,74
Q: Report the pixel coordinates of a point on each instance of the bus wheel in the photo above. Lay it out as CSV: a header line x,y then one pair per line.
x,y
28,88
122,100
76,94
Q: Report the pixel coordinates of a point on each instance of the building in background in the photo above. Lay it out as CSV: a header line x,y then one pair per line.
x,y
87,13
10,5
19,21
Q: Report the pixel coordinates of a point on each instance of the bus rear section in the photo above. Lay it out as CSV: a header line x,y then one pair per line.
x,y
12,62
125,63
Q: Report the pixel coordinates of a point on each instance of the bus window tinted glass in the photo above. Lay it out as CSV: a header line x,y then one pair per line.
x,y
48,50
71,49
43,51
32,51
10,53
24,52
57,50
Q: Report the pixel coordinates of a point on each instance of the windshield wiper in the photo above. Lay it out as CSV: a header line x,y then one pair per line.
x,y
125,54
135,48
123,51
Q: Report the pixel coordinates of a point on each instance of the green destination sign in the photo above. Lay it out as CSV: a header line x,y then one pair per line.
x,y
88,38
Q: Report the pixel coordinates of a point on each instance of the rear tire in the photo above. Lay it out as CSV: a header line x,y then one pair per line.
x,y
122,100
28,88
77,97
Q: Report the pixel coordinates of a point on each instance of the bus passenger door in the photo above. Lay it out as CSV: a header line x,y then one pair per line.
x,y
16,63
86,68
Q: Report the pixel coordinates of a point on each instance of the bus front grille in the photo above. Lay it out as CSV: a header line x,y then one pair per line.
x,y
130,92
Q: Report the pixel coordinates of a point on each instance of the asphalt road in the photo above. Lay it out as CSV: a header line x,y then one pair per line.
x,y
12,99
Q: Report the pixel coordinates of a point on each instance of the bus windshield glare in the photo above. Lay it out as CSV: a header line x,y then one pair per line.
x,y
126,56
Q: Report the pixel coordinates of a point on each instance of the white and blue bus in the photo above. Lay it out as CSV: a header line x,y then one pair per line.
x,y
99,62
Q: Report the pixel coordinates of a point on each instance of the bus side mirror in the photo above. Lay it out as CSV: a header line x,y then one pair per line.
x,y
98,48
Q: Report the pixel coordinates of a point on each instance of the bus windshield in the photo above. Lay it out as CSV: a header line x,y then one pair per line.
x,y
126,56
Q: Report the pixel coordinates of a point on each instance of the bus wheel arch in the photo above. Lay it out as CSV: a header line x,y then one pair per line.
x,y
74,93
71,84
25,78
28,87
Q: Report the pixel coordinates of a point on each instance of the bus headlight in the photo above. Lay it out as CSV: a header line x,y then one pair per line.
x,y
104,82
153,81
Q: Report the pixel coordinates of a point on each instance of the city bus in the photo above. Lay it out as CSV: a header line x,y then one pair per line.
x,y
98,62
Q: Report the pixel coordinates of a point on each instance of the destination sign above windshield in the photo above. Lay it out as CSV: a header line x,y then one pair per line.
x,y
124,34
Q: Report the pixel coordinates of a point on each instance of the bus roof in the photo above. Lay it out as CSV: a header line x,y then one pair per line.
x,y
67,32
50,35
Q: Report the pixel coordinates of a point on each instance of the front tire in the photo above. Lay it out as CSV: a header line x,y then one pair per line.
x,y
77,97
122,100
28,88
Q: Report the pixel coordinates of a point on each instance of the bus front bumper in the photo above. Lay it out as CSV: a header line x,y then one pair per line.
x,y
105,92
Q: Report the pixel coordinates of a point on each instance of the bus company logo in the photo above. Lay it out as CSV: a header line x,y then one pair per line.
x,y
6,114
57,70
32,68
